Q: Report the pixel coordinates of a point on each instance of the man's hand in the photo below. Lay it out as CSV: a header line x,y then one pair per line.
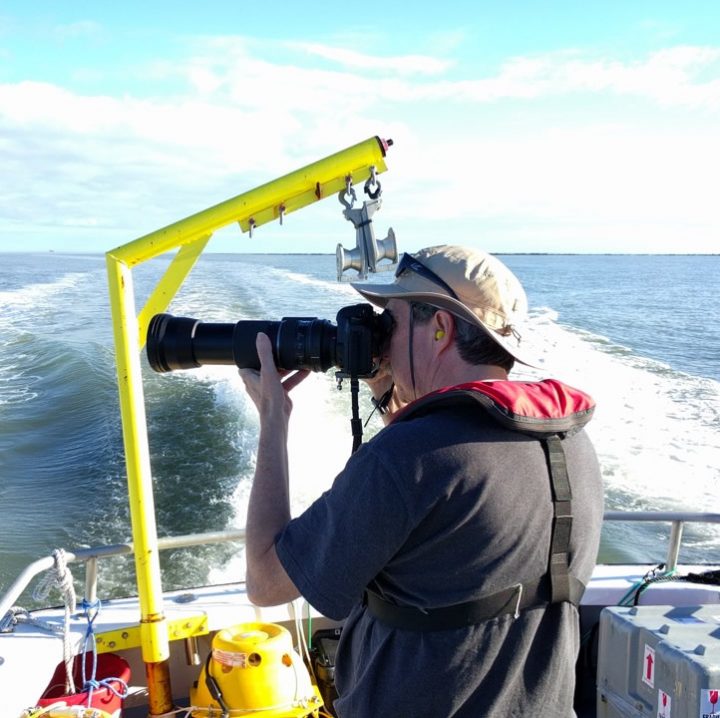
x,y
269,388
269,506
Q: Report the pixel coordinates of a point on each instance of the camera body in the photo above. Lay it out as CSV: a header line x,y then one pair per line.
x,y
354,345
359,340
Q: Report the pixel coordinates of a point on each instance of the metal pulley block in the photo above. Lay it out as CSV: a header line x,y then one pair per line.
x,y
369,251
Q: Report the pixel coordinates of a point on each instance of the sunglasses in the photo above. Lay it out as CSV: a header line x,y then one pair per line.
x,y
408,263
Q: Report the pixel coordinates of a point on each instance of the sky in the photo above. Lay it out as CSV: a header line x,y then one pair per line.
x,y
518,126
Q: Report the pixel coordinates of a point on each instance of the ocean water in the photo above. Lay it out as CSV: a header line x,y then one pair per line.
x,y
639,333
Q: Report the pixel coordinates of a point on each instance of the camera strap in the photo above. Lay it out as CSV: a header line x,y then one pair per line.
x,y
355,421
381,405
411,357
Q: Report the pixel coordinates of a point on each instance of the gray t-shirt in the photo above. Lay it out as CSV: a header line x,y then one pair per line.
x,y
433,511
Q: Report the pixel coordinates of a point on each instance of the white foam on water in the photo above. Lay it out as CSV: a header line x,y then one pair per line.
x,y
319,444
303,279
20,309
31,295
17,385
341,288
655,429
319,441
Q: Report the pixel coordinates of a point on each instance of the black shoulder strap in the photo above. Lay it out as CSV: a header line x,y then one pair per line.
x,y
559,562
558,585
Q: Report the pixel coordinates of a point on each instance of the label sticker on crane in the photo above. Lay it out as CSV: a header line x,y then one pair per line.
x,y
710,703
648,666
664,704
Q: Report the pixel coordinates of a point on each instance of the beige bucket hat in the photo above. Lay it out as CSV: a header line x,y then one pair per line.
x,y
468,283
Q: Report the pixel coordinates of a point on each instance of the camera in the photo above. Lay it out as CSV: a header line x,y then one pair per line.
x,y
353,345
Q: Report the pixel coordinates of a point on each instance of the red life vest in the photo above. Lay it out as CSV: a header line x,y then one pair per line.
x,y
537,408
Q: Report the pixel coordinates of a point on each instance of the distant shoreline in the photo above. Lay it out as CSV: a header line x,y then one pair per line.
x,y
332,254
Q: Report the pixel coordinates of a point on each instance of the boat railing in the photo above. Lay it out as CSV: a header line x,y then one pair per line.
x,y
91,556
677,520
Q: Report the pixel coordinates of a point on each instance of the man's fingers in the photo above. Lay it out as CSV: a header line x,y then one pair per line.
x,y
264,350
289,380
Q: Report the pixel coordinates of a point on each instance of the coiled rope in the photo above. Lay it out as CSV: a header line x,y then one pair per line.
x,y
59,576
18,614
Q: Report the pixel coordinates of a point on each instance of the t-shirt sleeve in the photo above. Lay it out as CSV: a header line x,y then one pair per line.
x,y
344,539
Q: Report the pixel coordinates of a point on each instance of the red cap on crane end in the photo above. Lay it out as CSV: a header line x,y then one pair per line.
x,y
384,144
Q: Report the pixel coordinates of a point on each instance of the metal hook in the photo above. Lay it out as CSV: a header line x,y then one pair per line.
x,y
348,191
251,225
372,180
281,210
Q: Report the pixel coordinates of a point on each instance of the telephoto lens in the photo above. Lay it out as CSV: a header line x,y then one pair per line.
x,y
184,343
354,345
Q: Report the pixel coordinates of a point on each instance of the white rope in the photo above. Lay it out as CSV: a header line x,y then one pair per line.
x,y
17,615
59,576
303,649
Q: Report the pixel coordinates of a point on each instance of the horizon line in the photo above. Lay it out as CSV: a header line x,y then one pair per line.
x,y
331,254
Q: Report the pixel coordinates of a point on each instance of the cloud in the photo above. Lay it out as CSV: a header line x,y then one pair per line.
x,y
244,111
168,124
403,64
676,76
237,71
244,70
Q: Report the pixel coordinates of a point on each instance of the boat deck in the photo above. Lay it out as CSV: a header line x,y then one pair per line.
x,y
202,611
29,654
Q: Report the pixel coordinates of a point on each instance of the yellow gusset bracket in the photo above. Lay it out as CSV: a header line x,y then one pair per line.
x,y
189,237
168,285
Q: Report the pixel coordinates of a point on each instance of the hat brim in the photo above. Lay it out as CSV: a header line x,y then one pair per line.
x,y
380,294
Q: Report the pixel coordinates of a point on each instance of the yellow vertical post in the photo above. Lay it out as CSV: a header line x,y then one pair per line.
x,y
153,627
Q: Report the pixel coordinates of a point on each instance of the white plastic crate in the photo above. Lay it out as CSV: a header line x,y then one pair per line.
x,y
659,661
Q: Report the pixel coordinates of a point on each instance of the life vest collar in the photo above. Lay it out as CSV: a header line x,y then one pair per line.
x,y
539,408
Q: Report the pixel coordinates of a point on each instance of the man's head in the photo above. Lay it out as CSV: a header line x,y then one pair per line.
x,y
469,284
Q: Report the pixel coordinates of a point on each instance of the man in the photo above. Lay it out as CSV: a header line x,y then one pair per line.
x,y
455,543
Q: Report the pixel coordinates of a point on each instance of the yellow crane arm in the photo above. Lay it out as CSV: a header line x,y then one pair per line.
x,y
190,236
